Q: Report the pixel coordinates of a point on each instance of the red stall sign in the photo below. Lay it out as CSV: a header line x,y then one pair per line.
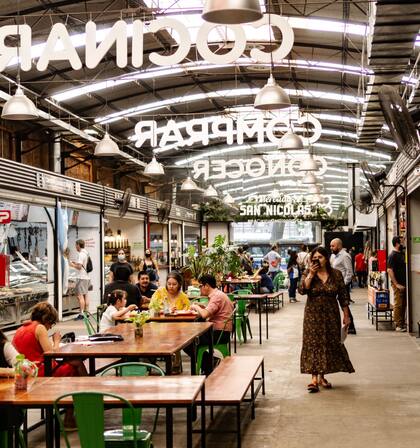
x,y
4,269
5,216
381,260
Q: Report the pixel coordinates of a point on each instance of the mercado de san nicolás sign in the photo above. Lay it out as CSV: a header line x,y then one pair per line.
x,y
60,46
283,206
282,165
230,129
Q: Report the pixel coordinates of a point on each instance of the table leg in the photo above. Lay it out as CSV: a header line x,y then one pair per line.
x,y
169,428
263,377
57,433
189,427
92,366
48,365
211,347
203,417
266,317
193,358
49,427
259,319
168,365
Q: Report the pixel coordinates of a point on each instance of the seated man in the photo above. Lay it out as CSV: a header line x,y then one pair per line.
x,y
218,311
147,289
122,281
266,284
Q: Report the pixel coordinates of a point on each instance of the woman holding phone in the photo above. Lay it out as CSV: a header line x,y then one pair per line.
x,y
322,350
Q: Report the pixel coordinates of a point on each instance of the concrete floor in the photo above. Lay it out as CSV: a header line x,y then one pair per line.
x,y
378,406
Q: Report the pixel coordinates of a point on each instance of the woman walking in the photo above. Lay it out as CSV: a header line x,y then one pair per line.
x,y
322,350
293,273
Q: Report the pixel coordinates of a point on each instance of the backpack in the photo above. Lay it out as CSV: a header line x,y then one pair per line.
x,y
89,265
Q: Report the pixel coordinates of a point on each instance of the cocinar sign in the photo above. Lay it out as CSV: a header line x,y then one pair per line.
x,y
60,46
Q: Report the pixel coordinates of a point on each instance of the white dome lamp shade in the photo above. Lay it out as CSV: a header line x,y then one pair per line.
x,y
308,164
228,199
106,147
317,198
231,12
19,107
291,141
210,192
189,185
309,179
314,189
154,168
272,97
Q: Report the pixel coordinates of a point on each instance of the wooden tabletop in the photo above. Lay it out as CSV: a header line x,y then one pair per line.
x,y
175,318
149,390
249,296
159,339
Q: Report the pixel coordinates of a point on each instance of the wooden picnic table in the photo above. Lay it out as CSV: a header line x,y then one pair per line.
x,y
151,391
160,340
175,318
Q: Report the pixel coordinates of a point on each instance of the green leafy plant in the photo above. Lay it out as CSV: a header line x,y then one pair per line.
x,y
139,319
198,263
223,260
216,211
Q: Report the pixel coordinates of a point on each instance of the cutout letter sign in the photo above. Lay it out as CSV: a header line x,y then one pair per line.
x,y
128,39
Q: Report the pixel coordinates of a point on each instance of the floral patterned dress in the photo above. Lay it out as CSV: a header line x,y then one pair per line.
x,y
322,350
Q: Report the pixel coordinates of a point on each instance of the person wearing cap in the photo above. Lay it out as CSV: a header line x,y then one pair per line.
x,y
397,273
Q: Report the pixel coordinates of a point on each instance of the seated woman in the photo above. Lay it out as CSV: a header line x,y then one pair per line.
x,y
116,309
266,285
32,340
172,294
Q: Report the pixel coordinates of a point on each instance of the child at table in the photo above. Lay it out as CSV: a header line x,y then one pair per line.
x,y
116,309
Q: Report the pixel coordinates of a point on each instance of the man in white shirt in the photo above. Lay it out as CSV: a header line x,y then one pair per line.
x,y
83,280
341,260
274,260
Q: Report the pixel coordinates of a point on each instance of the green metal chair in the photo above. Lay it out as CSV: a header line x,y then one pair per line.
x,y
136,369
100,309
278,281
6,439
90,413
90,322
224,348
242,322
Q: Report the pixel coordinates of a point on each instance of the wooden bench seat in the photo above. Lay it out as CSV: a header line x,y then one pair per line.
x,y
274,299
231,381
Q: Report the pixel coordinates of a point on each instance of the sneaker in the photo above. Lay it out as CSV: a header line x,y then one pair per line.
x,y
401,329
78,317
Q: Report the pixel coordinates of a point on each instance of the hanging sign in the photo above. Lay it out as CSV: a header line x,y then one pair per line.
x,y
58,184
283,206
60,46
283,165
5,216
239,129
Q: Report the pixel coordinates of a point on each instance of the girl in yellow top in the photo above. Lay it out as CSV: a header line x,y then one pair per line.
x,y
177,300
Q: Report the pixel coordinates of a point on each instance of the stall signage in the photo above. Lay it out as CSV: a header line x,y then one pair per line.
x,y
5,216
58,184
230,129
283,165
60,46
267,206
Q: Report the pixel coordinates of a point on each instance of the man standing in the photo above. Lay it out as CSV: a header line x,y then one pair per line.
x,y
218,311
397,273
341,260
360,267
274,260
82,280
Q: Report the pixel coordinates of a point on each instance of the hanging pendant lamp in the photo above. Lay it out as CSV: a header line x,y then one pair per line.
x,y
19,107
227,12
308,164
317,198
272,96
154,168
228,199
309,178
210,192
291,141
106,147
314,189
189,185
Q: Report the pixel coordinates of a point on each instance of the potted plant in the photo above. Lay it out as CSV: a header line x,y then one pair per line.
x,y
155,308
139,319
198,264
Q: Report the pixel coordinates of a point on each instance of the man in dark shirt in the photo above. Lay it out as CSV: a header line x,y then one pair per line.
x,y
147,289
397,273
122,275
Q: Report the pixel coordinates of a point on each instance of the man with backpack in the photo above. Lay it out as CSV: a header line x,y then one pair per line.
x,y
83,265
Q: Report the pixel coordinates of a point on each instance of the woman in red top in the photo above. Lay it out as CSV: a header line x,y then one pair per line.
x,y
360,267
32,340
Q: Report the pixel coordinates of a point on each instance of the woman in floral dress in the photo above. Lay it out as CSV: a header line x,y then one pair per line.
x,y
322,350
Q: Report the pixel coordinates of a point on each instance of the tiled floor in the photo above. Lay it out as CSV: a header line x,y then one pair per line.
x,y
377,407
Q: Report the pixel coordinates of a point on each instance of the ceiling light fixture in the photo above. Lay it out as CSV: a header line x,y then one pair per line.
x,y
106,147
231,12
309,178
314,189
210,192
308,164
19,107
292,141
154,168
189,185
228,199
